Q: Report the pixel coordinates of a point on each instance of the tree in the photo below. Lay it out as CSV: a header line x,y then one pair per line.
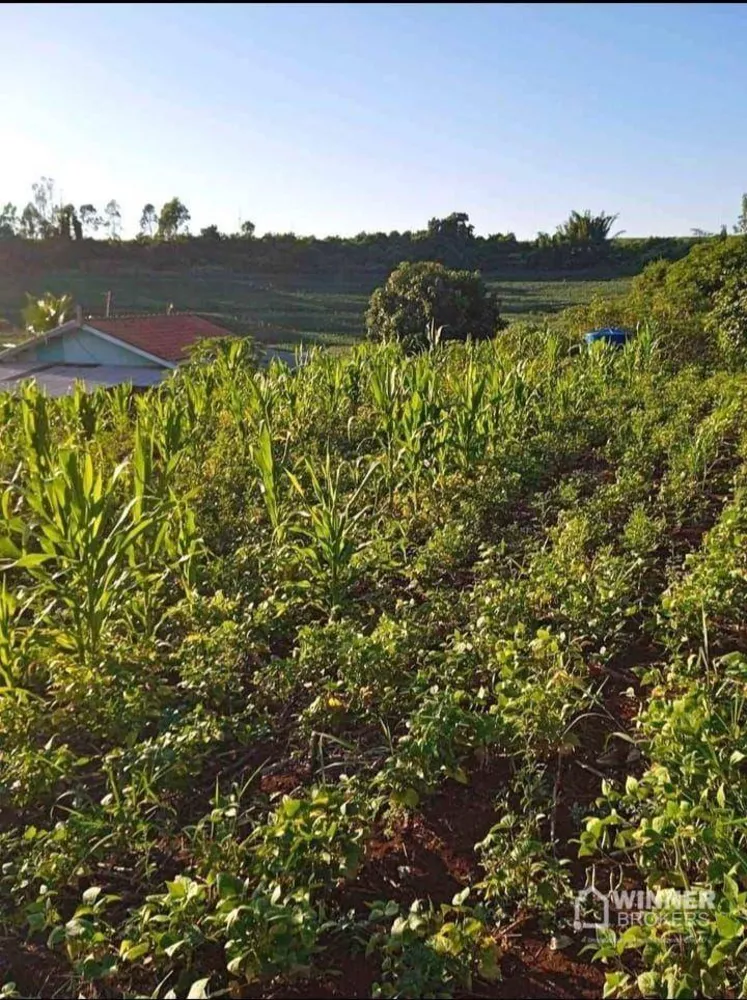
x,y
113,219
30,225
211,233
247,229
9,221
586,228
174,216
148,220
501,237
741,226
46,313
46,208
40,219
424,300
90,219
454,228
68,224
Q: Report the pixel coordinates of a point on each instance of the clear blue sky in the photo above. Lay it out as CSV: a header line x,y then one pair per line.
x,y
335,118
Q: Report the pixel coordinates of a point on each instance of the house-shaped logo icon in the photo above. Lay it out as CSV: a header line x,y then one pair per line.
x,y
591,925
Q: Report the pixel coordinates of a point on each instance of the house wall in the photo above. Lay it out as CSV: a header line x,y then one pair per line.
x,y
79,347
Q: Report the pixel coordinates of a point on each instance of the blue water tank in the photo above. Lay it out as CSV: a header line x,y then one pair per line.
x,y
610,334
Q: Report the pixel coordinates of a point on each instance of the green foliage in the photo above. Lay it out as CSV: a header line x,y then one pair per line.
x,y
741,224
172,219
727,319
586,228
428,951
520,866
86,937
327,526
312,840
424,302
44,314
287,657
694,305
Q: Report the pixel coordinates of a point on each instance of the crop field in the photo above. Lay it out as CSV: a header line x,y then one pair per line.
x,y
344,682
282,312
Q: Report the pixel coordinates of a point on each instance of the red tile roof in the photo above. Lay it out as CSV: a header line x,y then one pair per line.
x,y
167,337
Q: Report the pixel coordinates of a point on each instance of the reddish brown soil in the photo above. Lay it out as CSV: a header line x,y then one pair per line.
x,y
285,783
532,969
36,971
428,855
529,969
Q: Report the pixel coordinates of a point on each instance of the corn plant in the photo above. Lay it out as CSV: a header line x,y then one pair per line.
x,y
78,545
36,430
269,474
385,386
328,523
468,423
171,536
418,432
87,409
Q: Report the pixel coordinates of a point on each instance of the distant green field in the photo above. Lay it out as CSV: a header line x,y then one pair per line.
x,y
524,299
280,311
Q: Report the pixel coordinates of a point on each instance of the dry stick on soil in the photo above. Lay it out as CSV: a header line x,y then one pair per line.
x,y
555,800
591,770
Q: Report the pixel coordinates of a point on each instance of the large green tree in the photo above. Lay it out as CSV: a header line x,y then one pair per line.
x,y
425,301
173,219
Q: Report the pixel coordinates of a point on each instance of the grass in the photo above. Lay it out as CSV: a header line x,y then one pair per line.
x,y
282,312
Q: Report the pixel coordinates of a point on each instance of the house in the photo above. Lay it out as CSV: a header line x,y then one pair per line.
x,y
139,350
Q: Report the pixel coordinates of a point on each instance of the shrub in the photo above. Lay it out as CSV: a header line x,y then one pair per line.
x,y
697,306
728,320
421,299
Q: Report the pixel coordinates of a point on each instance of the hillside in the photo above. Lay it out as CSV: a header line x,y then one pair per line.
x,y
346,682
284,289
284,310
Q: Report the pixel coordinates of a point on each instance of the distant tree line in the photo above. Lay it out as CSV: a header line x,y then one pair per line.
x,y
47,217
585,240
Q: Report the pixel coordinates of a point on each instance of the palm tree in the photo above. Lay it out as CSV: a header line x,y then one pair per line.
x,y
584,227
47,313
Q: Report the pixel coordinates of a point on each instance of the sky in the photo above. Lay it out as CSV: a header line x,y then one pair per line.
x,y
339,118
